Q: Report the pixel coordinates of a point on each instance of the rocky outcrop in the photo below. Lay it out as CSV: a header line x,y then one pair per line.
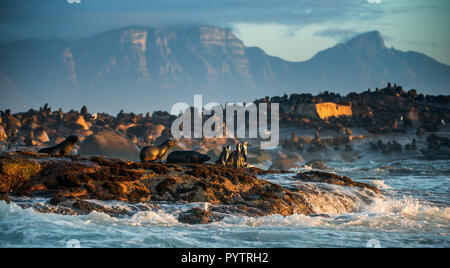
x,y
69,181
41,136
331,178
76,206
317,164
3,135
198,216
437,148
324,110
328,109
382,111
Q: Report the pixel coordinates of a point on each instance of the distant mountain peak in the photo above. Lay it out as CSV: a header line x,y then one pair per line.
x,y
371,39
130,67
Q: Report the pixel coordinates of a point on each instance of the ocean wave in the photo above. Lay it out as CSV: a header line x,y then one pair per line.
x,y
380,184
410,208
273,220
407,215
158,217
306,167
27,227
99,218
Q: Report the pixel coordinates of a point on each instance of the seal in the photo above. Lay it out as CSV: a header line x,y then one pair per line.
x,y
155,153
223,157
63,148
187,157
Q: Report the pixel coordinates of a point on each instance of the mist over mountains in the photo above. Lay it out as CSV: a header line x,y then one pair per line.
x,y
143,69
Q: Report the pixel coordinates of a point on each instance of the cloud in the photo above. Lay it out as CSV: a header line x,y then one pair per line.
x,y
343,35
56,18
374,1
340,35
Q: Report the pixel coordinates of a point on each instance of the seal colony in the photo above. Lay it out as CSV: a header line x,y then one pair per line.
x,y
407,113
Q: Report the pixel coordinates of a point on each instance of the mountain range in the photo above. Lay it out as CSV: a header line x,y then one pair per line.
x,y
143,69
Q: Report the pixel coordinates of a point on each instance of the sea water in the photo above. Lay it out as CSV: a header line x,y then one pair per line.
x,y
413,212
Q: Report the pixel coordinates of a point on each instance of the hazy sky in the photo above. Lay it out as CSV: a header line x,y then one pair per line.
x,y
291,29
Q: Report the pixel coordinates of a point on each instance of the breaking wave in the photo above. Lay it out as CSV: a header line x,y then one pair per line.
x,y
414,211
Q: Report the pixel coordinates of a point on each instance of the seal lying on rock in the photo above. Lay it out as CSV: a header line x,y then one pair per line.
x,y
155,153
223,157
63,148
187,157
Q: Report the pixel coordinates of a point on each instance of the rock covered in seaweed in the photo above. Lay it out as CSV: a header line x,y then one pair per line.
x,y
71,180
3,135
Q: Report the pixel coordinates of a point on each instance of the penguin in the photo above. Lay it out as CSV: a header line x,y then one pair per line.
x,y
223,157
235,158
244,153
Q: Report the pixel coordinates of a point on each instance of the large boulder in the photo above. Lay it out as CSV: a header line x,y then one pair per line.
x,y
79,120
76,121
157,131
12,121
140,131
295,157
317,164
109,143
258,156
284,164
42,136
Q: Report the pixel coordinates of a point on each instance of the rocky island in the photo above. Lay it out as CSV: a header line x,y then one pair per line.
x,y
104,164
68,182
